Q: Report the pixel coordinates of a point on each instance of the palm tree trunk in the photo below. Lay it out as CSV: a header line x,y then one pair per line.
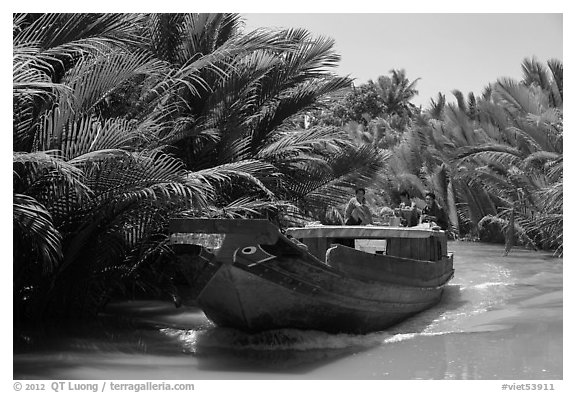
x,y
510,233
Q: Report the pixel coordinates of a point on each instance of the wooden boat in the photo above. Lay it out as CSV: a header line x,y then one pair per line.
x,y
256,278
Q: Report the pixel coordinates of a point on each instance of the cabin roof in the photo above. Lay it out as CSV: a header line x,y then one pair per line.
x,y
362,232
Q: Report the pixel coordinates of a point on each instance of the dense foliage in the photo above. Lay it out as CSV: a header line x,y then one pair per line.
x,y
123,121
494,161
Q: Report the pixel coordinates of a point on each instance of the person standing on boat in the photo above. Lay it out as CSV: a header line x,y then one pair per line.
x,y
357,211
408,210
433,212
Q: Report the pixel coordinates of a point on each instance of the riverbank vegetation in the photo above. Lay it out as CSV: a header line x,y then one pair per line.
x,y
123,121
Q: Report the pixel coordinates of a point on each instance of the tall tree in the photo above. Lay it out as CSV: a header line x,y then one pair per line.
x,y
396,92
206,126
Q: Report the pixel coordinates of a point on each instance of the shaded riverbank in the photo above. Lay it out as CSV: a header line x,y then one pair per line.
x,y
500,318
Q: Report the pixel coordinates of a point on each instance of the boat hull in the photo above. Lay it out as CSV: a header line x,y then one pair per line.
x,y
390,269
299,291
259,279
232,300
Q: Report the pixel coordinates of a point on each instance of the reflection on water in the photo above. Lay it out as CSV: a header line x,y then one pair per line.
x,y
500,318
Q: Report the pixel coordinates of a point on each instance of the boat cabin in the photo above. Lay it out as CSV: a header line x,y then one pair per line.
x,y
414,243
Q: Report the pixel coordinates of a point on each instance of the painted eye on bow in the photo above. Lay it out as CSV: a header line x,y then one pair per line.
x,y
249,250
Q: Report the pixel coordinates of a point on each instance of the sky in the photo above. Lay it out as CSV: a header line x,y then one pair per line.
x,y
447,51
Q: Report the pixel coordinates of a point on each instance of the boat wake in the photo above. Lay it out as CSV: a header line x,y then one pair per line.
x,y
460,305
272,340
438,320
487,285
283,339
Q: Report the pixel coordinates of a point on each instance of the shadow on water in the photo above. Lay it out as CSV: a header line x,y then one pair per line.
x,y
56,351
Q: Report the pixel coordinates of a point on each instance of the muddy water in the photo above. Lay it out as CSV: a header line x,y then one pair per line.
x,y
500,318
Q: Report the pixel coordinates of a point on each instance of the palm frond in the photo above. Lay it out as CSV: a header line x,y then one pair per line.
x,y
557,87
349,168
35,231
292,102
530,138
31,74
189,74
535,73
555,169
292,144
540,157
436,108
134,195
517,97
248,170
166,35
93,78
30,167
114,171
64,34
85,134
251,207
460,100
492,153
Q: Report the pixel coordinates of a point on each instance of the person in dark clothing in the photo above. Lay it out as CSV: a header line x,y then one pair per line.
x,y
433,212
407,210
357,211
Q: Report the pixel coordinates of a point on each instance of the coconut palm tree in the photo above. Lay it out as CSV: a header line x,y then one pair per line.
x,y
396,91
83,181
209,129
489,156
524,165
239,126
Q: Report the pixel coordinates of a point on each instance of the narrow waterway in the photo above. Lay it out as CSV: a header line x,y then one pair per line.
x,y
499,318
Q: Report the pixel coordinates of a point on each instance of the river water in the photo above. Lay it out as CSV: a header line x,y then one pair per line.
x,y
499,318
